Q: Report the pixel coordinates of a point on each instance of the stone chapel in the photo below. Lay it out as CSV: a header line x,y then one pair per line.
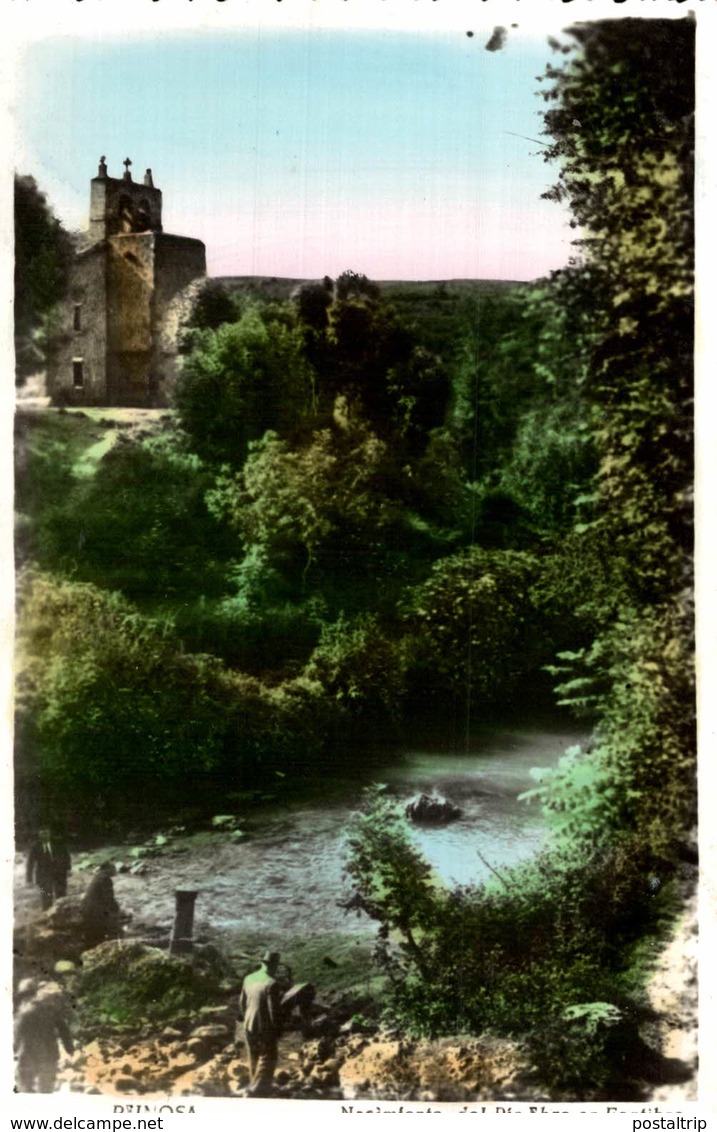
x,y
117,341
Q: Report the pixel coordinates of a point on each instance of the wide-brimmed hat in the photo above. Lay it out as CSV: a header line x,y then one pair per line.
x,y
26,988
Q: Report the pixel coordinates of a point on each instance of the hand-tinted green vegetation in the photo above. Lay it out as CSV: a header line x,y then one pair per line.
x,y
553,949
375,504
43,250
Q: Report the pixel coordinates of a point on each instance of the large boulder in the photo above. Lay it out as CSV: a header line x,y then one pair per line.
x,y
205,1041
52,936
432,809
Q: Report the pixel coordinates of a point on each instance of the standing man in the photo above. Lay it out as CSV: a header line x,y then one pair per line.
x,y
48,865
260,1007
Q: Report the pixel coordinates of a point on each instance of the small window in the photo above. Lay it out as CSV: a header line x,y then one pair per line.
x,y
77,317
78,373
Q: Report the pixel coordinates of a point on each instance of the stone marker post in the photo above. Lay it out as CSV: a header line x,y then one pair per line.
x,y
181,941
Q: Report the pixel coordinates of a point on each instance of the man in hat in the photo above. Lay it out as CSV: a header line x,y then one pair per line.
x,y
260,1007
39,1024
48,864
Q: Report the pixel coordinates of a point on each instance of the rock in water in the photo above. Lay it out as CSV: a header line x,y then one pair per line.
x,y
432,809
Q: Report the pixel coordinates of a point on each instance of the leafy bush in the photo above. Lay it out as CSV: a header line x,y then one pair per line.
x,y
640,772
324,517
504,956
109,704
240,380
357,665
271,639
472,626
140,525
115,718
275,730
128,983
572,1049
551,464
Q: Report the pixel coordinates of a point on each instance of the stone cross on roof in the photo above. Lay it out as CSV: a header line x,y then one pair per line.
x,y
127,174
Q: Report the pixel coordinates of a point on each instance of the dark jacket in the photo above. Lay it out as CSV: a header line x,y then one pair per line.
x,y
100,910
47,864
38,1025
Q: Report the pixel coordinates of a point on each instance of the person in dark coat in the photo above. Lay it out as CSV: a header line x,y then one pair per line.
x,y
260,1007
100,911
40,1024
48,865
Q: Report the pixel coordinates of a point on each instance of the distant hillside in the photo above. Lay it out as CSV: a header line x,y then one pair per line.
x,y
435,309
276,287
262,286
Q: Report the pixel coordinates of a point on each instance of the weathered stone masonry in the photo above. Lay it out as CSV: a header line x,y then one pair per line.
x,y
113,345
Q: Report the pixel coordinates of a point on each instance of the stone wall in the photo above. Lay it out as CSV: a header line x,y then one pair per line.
x,y
179,262
130,290
82,334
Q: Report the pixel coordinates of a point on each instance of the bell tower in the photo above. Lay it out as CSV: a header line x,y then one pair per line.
x,y
119,205
118,340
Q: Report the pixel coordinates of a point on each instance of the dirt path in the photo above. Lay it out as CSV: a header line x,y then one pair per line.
x,y
673,994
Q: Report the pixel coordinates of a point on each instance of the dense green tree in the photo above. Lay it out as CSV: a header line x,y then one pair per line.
x,y
365,352
117,721
109,704
139,525
215,304
472,628
325,516
494,378
624,135
537,949
241,379
357,664
520,415
43,252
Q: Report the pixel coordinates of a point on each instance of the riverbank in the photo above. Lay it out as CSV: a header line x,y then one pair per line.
x,y
343,1053
274,871
274,877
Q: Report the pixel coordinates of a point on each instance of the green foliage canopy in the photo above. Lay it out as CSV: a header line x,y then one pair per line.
x,y
242,379
43,252
627,171
624,134
108,701
473,628
326,514
139,524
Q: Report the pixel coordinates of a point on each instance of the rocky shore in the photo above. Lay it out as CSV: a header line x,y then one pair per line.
x,y
337,1051
155,1026
208,1061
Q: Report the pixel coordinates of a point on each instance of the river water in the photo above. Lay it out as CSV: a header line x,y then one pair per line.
x,y
288,878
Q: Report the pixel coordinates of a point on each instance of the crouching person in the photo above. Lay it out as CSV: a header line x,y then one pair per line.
x,y
101,917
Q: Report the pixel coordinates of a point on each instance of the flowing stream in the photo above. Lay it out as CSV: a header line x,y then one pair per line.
x,y
287,879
